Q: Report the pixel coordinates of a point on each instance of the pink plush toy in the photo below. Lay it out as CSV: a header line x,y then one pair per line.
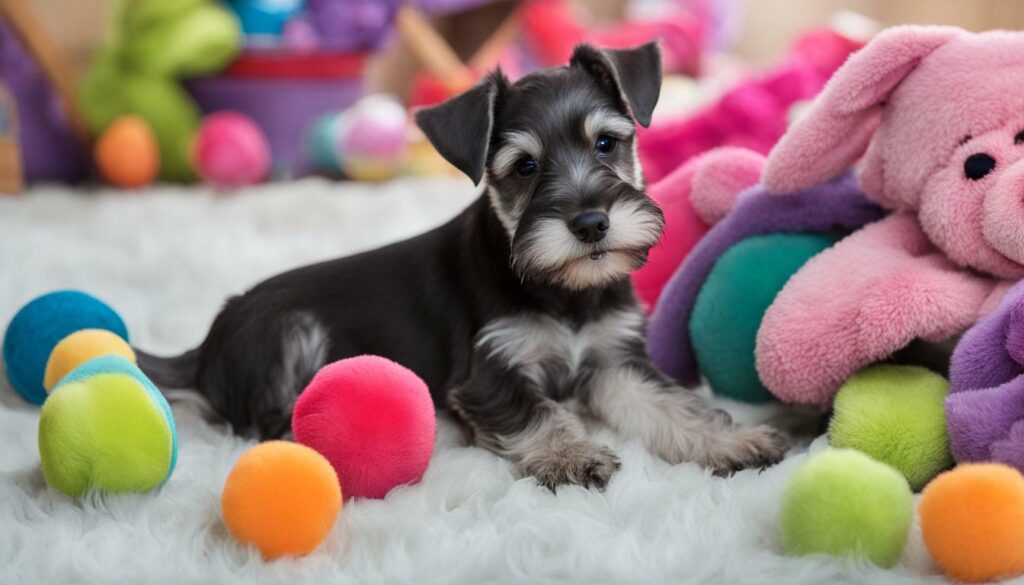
x,y
693,197
937,114
372,419
753,114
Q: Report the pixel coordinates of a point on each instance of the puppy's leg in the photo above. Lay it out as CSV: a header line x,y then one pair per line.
x,y
676,424
511,417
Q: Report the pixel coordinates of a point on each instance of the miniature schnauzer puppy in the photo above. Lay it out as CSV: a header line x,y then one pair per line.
x,y
522,301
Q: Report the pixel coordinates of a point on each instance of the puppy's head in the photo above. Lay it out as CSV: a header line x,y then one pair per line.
x,y
558,151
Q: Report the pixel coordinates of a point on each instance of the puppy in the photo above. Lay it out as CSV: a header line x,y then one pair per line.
x,y
519,303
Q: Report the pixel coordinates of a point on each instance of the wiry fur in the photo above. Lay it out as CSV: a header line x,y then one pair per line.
x,y
506,310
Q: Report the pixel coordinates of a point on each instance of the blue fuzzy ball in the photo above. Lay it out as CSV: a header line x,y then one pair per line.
x,y
322,144
115,364
40,325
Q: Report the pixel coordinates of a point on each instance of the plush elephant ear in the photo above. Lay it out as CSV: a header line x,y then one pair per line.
x,y
841,122
633,76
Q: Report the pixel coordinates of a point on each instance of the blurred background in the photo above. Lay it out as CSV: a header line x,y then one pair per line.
x,y
237,92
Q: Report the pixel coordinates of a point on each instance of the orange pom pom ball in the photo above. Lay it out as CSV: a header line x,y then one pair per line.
x,y
282,498
972,520
127,153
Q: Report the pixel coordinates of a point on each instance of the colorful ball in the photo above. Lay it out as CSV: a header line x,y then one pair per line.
x,y
104,427
972,521
80,347
372,138
40,325
842,502
372,419
282,498
896,415
322,143
231,150
732,301
127,153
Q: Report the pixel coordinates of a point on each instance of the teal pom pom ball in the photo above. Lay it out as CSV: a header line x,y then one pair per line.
x,y
732,302
896,415
40,325
843,503
322,143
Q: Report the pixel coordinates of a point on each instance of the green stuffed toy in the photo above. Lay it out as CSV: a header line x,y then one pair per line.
x,y
155,44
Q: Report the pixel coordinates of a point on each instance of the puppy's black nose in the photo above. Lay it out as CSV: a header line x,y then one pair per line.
x,y
590,226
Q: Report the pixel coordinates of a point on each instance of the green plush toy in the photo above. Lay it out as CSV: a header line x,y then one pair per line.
x,y
842,502
733,300
895,414
156,44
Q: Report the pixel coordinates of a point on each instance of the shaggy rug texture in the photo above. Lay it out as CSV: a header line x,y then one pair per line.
x,y
168,258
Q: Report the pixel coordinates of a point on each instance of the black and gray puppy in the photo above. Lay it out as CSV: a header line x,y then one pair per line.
x,y
519,303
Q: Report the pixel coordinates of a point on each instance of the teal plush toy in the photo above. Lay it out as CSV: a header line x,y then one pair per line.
x,y
896,415
156,44
842,502
732,301
40,325
105,426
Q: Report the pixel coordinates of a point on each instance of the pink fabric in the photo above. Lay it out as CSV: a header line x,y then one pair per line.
x,y
752,115
917,102
719,176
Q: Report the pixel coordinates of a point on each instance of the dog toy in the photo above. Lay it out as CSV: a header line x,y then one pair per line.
x,y
282,498
718,185
372,419
105,426
352,25
80,347
42,323
322,143
265,18
127,154
986,377
372,138
895,414
231,151
937,111
842,502
732,301
972,521
754,114
154,45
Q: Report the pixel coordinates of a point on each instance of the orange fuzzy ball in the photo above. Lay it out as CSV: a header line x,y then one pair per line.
x,y
127,154
282,498
972,520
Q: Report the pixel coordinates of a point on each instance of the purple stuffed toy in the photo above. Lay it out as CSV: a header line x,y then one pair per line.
x,y
986,383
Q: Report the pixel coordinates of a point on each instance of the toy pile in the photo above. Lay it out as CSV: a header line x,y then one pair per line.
x,y
833,286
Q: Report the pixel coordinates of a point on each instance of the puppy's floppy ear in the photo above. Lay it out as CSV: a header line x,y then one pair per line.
x,y
460,128
634,75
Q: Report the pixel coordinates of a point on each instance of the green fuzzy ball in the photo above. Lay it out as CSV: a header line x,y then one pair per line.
x,y
842,502
895,414
732,302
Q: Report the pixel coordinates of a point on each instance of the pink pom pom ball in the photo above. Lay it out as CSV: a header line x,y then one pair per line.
x,y
231,151
372,138
372,419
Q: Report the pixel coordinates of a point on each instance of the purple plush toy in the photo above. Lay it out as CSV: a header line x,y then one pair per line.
x,y
985,408
351,25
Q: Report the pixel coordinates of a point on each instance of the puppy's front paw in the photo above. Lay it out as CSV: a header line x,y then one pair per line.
x,y
756,447
579,463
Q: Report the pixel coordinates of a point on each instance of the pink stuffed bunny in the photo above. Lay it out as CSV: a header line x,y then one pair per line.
x,y
938,115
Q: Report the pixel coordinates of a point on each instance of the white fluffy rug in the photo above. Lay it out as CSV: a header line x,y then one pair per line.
x,y
168,258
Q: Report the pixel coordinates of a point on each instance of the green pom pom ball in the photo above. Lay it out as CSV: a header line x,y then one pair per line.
x,y
106,427
895,414
844,503
732,302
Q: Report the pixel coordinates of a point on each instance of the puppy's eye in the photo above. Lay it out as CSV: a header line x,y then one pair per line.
x,y
526,167
605,144
1019,138
978,165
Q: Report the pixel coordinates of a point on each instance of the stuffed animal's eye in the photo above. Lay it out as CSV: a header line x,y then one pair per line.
x,y
526,167
1019,138
978,165
605,144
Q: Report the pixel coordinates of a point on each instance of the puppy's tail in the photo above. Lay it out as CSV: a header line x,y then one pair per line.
x,y
177,372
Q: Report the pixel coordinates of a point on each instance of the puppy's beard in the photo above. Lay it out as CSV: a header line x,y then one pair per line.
x,y
547,250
